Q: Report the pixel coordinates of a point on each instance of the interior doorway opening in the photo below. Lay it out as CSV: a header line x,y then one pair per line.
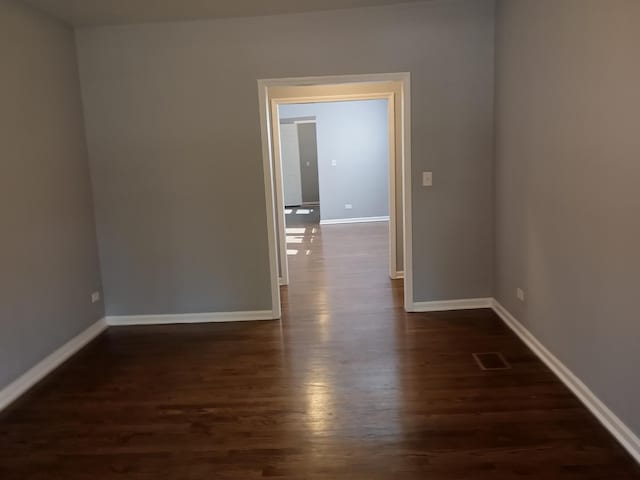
x,y
299,153
281,93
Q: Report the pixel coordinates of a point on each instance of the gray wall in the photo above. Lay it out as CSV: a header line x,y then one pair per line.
x,y
174,140
568,169
356,136
48,258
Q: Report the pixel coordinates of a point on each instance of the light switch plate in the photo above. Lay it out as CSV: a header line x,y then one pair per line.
x,y
427,179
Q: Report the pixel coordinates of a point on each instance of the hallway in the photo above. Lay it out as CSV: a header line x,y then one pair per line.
x,y
337,269
347,386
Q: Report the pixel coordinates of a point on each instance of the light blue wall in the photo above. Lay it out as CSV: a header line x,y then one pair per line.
x,y
356,136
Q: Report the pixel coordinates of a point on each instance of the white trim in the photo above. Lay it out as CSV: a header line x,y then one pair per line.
x,y
268,119
444,305
334,79
607,418
393,165
279,194
27,380
332,98
397,275
269,199
214,317
407,224
338,221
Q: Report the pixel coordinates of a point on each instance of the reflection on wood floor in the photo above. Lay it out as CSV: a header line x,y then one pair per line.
x,y
346,386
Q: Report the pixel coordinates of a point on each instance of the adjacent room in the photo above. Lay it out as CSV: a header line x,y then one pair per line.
x,y
337,152
336,158
334,239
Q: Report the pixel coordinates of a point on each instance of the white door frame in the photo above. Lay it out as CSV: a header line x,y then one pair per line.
x,y
272,165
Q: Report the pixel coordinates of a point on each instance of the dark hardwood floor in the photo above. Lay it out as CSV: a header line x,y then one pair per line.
x,y
346,386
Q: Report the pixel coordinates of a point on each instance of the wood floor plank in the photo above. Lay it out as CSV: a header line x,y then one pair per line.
x,y
346,386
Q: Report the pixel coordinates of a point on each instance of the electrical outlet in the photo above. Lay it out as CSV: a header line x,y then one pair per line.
x,y
95,297
520,294
348,206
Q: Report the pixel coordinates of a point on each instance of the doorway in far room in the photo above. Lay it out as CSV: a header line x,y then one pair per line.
x,y
300,180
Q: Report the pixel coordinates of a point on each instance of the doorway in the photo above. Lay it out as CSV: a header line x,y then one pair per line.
x,y
307,139
395,88
299,152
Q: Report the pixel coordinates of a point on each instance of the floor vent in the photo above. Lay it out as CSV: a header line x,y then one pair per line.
x,y
491,361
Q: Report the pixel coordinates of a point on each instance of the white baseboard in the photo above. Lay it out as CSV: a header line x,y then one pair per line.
x,y
611,422
445,305
340,221
397,275
22,384
215,317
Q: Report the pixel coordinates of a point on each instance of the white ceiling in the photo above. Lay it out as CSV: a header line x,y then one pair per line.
x,y
109,12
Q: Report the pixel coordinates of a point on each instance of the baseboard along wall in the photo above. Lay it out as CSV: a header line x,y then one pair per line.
x,y
339,221
445,305
214,317
623,434
31,377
